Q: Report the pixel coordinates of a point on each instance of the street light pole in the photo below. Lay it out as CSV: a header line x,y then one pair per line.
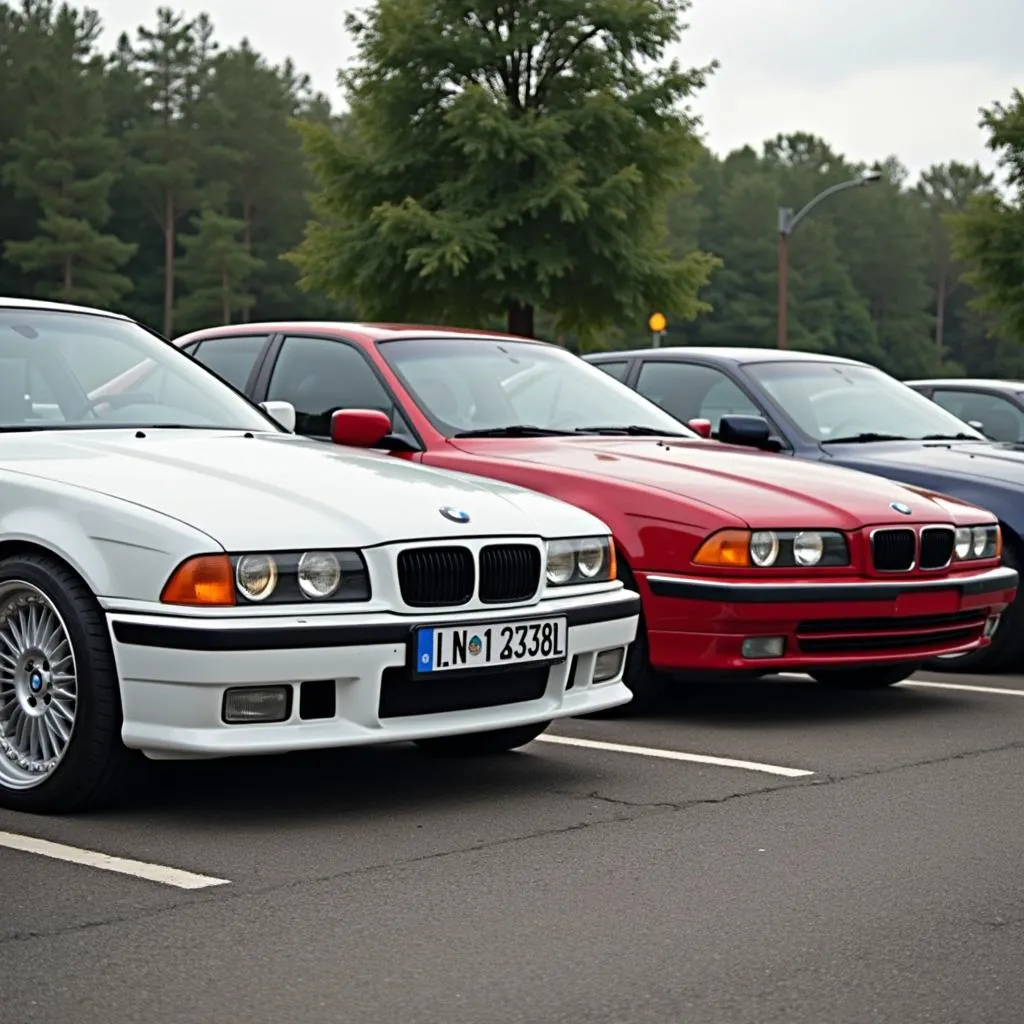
x,y
787,224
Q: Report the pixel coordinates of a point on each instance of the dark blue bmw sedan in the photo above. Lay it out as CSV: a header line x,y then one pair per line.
x,y
851,414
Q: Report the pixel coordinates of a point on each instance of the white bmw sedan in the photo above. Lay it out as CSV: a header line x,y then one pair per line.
x,y
183,577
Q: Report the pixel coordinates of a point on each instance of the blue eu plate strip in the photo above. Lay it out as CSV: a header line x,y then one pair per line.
x,y
425,650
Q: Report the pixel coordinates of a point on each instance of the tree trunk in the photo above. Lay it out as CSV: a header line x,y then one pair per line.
x,y
247,218
168,263
940,308
520,319
69,276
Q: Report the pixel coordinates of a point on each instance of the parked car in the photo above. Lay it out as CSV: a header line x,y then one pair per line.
x,y
844,413
181,576
746,563
993,407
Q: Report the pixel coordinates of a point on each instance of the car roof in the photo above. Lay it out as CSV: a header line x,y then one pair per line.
x,y
970,382
364,330
726,355
9,302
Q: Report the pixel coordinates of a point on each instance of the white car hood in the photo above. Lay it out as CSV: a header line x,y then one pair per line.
x,y
281,491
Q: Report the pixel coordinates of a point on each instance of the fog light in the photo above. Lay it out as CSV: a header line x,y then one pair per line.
x,y
257,703
991,625
764,646
608,664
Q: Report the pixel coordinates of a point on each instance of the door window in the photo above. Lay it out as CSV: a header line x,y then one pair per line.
x,y
688,391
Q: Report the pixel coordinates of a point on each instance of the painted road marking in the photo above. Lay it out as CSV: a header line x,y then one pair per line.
x,y
676,755
1000,691
90,858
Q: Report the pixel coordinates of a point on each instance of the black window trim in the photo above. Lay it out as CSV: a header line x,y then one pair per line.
x,y
629,361
261,385
777,434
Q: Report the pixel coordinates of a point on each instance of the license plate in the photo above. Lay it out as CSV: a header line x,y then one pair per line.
x,y
928,602
449,648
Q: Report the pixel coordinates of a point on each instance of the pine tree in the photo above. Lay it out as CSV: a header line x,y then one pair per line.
x,y
65,163
215,268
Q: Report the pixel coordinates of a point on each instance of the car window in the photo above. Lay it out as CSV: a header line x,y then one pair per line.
x,y
232,358
688,391
321,375
1000,419
833,401
488,384
617,370
78,370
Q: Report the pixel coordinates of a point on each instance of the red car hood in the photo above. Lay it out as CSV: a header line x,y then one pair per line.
x,y
758,488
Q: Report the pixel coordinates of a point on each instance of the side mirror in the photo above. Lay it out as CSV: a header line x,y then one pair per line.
x,y
749,431
281,412
359,428
699,426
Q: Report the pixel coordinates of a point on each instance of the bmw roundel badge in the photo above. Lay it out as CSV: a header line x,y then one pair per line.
x,y
898,506
456,515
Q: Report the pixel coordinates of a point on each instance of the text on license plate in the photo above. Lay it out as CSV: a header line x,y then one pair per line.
x,y
446,648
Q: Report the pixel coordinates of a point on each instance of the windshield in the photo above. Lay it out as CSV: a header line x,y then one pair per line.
x,y
834,402
65,370
481,385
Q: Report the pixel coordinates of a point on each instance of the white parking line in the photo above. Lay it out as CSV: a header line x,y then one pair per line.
x,y
136,868
1000,691
676,755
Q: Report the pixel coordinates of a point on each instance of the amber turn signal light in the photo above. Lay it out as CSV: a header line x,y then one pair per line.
x,y
727,547
204,580
613,565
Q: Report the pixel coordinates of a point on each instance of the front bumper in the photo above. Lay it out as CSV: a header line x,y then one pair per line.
x,y
174,671
701,624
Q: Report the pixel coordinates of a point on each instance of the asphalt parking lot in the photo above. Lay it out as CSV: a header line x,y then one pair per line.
x,y
764,852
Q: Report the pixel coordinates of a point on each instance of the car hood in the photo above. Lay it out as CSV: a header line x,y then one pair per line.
x,y
282,491
760,489
935,461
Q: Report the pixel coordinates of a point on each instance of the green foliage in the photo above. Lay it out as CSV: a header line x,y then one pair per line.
x,y
989,233
502,160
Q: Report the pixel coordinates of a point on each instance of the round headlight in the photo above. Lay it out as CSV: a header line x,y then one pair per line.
x,y
256,576
319,574
764,547
590,558
963,541
561,562
980,541
808,548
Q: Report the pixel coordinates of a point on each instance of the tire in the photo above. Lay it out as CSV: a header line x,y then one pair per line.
x,y
482,744
1006,651
648,685
866,678
65,658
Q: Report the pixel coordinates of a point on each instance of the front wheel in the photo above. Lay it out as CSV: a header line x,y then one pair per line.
x,y
866,678
482,744
60,712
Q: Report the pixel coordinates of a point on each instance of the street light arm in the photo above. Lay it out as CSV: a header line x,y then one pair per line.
x,y
790,225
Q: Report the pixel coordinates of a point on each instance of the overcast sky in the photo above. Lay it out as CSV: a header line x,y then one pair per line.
x,y
873,77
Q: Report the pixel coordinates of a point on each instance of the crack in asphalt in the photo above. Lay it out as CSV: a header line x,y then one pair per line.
x,y
223,894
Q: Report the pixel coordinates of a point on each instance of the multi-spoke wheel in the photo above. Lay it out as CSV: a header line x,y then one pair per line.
x,y
60,710
38,686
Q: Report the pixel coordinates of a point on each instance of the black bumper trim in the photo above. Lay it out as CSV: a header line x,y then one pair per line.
x,y
789,593
288,638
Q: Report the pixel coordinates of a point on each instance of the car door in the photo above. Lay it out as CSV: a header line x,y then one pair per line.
x,y
320,375
996,416
690,390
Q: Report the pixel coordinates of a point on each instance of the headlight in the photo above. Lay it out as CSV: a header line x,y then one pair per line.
x,y
764,547
271,577
773,549
973,542
576,560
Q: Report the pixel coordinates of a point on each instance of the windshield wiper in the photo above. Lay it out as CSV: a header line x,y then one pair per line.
x,y
865,438
633,430
951,437
514,430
